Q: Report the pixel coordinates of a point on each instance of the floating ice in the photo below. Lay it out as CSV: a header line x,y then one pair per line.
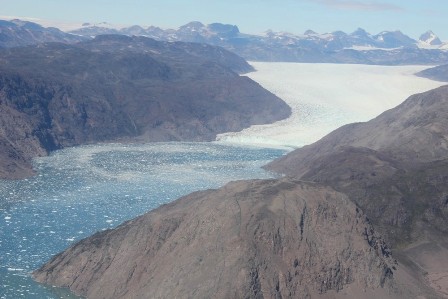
x,y
85,189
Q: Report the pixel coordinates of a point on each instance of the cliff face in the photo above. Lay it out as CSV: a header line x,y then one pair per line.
x,y
121,88
17,142
250,239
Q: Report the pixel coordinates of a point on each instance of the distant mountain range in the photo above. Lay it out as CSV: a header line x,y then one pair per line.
x,y
224,34
387,47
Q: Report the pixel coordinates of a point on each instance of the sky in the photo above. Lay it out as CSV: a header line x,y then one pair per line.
x,y
412,17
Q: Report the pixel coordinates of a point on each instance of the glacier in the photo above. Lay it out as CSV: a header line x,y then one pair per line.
x,y
324,97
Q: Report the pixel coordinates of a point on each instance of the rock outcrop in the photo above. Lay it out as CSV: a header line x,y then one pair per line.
x,y
122,88
249,239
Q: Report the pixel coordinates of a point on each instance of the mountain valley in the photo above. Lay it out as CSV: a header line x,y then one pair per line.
x,y
393,168
359,213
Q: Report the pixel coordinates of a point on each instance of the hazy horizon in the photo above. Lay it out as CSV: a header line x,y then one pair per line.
x,y
294,16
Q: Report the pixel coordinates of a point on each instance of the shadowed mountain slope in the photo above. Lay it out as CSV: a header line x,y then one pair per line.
x,y
438,73
122,88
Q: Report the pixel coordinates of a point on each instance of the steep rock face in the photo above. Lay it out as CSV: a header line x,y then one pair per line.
x,y
122,88
249,239
17,144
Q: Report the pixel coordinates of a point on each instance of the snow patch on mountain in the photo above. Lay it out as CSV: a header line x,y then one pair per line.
x,y
430,38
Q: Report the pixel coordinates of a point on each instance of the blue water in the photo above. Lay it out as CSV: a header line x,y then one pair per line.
x,y
81,190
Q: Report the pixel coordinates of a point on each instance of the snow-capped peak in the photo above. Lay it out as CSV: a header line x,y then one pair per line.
x,y
430,38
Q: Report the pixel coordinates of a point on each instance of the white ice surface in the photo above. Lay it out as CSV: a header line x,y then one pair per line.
x,y
371,48
324,97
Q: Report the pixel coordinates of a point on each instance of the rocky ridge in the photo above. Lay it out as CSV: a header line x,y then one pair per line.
x,y
249,239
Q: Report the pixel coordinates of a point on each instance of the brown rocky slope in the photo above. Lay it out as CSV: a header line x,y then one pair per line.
x,y
122,88
249,239
394,168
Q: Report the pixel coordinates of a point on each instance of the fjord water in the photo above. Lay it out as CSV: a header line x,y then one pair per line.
x,y
81,190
